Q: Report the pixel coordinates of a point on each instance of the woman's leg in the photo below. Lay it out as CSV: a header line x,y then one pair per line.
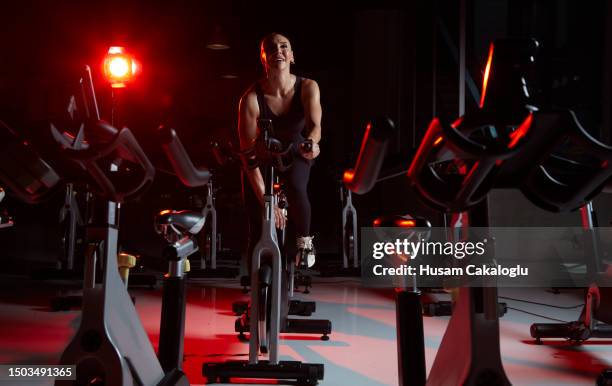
x,y
297,196
299,208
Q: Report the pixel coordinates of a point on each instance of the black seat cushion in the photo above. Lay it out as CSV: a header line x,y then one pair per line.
x,y
185,221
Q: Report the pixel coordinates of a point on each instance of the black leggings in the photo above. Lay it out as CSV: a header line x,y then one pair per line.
x,y
299,213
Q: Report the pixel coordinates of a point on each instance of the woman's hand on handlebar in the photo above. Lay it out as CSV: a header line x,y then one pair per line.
x,y
280,219
309,149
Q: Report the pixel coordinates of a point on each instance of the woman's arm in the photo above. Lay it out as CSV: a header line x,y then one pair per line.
x,y
248,110
311,100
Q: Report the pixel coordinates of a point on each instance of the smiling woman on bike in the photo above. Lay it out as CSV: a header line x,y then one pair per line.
x,y
293,104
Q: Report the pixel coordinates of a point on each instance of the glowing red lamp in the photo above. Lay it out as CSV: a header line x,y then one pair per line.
x,y
406,223
120,67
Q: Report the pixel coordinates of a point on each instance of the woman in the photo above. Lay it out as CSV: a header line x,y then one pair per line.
x,y
293,104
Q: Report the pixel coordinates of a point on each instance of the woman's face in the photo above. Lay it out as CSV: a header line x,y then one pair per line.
x,y
276,52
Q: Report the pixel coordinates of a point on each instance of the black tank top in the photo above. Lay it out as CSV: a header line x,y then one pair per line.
x,y
288,127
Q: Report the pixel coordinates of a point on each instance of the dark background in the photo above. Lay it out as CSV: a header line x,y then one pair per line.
x,y
392,58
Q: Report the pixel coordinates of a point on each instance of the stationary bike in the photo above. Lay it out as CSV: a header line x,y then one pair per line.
x,y
349,239
295,277
111,346
269,306
180,229
209,237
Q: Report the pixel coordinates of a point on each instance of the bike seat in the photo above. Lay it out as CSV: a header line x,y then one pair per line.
x,y
183,221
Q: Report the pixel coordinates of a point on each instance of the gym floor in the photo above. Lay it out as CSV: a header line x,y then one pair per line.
x,y
361,351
